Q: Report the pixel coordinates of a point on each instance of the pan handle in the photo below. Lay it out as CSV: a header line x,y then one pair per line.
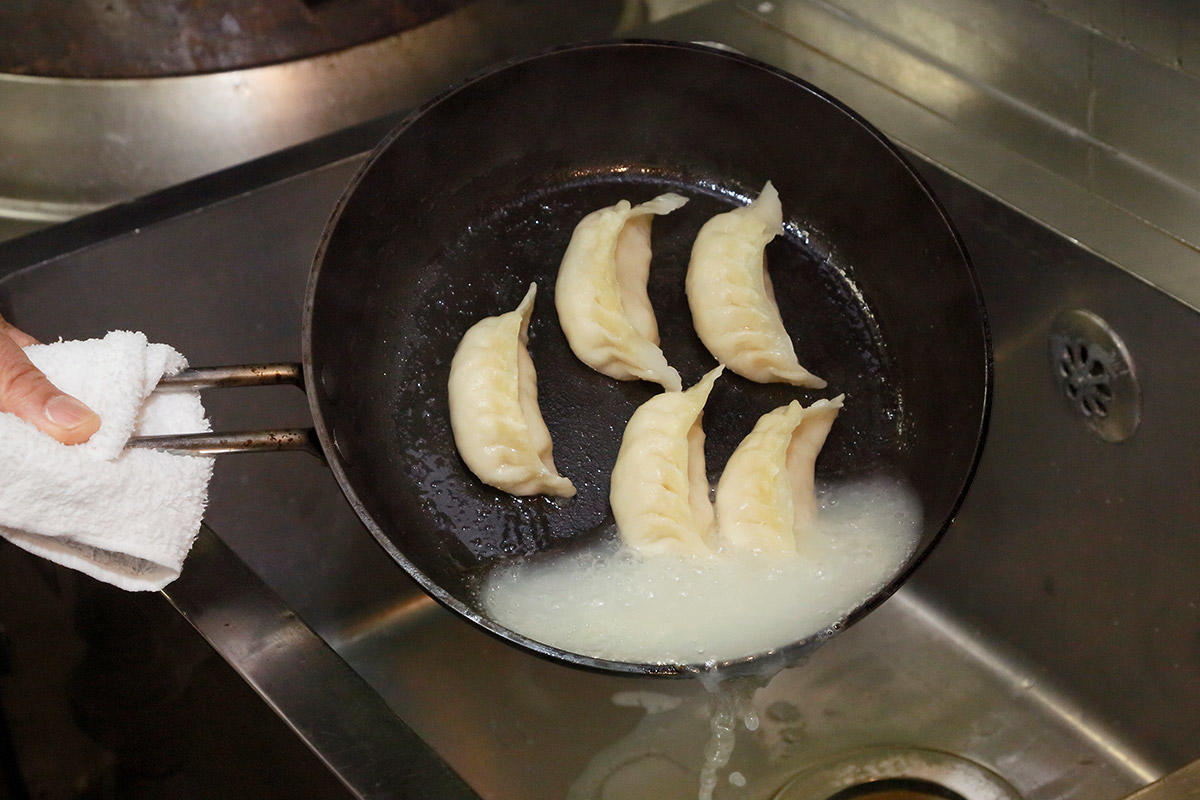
x,y
194,379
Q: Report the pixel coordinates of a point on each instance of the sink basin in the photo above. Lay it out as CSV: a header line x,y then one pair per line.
x,y
1049,639
1047,649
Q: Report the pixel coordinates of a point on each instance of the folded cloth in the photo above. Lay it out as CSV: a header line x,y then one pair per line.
x,y
127,517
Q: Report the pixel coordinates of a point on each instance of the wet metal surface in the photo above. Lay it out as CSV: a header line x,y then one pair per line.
x,y
989,689
329,707
1050,638
1076,130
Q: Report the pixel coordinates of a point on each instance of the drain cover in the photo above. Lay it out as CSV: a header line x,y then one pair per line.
x,y
1095,374
898,773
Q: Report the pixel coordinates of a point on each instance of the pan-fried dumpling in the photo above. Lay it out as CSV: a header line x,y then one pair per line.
x,y
659,491
601,296
766,499
731,297
494,412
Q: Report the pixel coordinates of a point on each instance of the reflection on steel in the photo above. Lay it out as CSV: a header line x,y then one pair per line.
x,y
1183,784
1059,561
331,708
1164,30
1084,133
73,145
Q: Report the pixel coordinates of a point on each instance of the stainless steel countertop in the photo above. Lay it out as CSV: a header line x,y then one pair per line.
x,y
74,145
1088,135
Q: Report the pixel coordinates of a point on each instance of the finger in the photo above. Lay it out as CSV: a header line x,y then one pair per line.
x,y
24,391
19,336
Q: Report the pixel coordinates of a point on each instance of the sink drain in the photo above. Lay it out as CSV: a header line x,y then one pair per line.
x,y
898,773
1095,374
897,789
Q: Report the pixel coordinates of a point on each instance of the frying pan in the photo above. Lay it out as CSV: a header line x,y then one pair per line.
x,y
475,195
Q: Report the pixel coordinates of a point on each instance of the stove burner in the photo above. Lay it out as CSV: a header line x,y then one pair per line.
x,y
152,38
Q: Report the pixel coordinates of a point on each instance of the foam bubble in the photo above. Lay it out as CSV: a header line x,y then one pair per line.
x,y
619,605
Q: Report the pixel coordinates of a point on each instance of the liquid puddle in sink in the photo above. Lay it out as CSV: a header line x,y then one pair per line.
x,y
682,745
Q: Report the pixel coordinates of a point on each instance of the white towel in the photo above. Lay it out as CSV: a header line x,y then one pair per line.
x,y
127,517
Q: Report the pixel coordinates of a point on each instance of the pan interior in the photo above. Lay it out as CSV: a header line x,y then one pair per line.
x,y
478,196
487,269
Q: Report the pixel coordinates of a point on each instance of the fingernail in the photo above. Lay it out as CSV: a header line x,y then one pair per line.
x,y
67,412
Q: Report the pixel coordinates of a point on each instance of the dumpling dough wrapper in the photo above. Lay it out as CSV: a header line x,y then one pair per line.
x,y
766,498
732,299
498,427
659,488
600,293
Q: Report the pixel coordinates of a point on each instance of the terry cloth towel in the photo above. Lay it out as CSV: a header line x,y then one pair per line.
x,y
127,517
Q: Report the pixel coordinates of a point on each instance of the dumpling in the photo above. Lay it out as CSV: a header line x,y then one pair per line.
x,y
731,297
600,293
498,428
659,490
766,498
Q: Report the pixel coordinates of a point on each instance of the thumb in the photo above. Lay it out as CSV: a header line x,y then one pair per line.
x,y
24,391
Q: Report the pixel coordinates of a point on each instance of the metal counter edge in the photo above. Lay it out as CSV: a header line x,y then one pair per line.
x,y
122,218
320,697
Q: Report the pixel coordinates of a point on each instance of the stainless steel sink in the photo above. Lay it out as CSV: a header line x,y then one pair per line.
x,y
1050,638
1048,649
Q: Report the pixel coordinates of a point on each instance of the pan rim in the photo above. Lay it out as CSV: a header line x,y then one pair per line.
x,y
745,665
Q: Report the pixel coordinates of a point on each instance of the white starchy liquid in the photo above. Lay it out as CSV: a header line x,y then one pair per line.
x,y
622,606
720,744
730,701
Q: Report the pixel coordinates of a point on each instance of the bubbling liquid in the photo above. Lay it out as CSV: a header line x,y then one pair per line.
x,y
613,603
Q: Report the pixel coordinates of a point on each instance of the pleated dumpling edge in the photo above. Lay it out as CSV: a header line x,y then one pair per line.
x,y
497,425
600,293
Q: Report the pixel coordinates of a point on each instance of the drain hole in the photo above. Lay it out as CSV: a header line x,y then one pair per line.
x,y
898,773
897,789
1066,360
1094,373
1094,406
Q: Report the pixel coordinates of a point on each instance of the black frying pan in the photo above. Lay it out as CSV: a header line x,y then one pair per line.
x,y
476,194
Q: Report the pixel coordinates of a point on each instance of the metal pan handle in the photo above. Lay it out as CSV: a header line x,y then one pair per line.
x,y
234,441
237,375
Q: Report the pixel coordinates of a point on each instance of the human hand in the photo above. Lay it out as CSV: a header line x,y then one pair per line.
x,y
24,391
